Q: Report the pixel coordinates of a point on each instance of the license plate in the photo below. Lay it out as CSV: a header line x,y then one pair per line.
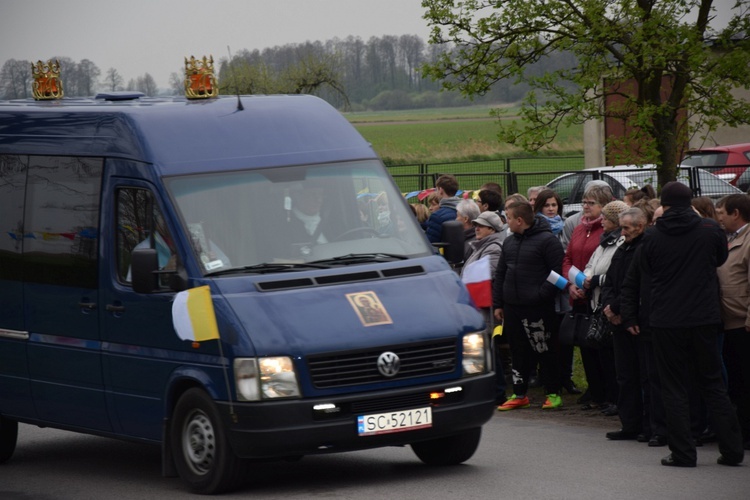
x,y
395,421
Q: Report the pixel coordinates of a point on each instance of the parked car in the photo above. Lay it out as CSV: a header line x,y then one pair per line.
x,y
621,178
729,163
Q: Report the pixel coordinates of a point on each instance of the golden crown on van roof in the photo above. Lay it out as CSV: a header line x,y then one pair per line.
x,y
200,82
47,83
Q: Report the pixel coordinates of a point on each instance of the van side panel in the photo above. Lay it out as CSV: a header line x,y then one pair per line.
x,y
14,385
60,255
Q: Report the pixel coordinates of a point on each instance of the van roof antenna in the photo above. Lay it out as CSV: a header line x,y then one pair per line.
x,y
240,107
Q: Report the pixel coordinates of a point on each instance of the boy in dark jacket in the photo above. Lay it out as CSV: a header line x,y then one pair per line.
x,y
446,188
524,301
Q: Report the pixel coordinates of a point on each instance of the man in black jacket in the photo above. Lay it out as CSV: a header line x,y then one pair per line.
x,y
630,348
681,256
524,301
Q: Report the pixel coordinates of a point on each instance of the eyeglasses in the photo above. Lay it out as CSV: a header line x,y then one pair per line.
x,y
589,203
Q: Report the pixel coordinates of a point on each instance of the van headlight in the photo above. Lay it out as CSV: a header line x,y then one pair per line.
x,y
474,354
265,378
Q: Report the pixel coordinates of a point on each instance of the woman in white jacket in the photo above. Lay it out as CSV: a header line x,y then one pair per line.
x,y
596,271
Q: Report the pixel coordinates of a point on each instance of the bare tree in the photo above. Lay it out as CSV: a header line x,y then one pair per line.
x,y
146,84
15,79
113,81
177,83
88,77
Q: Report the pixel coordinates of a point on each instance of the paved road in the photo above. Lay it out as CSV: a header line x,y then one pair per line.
x,y
520,458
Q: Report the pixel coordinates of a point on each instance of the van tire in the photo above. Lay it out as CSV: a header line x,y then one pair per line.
x,y
200,445
451,450
8,438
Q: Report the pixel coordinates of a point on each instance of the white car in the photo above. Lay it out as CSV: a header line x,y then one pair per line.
x,y
621,178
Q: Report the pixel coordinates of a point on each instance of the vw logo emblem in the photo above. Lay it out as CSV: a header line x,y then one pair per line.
x,y
388,364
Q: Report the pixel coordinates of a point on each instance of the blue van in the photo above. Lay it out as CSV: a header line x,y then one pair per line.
x,y
339,326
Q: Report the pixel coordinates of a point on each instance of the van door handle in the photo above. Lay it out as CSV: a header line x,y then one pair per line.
x,y
114,308
90,306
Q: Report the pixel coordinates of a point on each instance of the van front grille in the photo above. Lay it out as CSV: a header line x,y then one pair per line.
x,y
361,367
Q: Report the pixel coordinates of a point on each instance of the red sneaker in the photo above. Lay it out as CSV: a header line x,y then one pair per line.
x,y
514,402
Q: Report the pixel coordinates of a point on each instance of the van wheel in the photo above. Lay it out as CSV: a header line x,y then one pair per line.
x,y
8,438
202,455
451,450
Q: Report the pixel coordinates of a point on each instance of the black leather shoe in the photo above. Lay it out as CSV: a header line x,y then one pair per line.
x,y
622,435
585,398
610,411
571,387
723,460
669,461
643,438
657,440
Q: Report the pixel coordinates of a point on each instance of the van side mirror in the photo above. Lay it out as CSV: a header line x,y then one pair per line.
x,y
144,262
452,241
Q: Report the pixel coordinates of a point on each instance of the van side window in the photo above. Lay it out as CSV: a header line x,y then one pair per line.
x,y
140,224
61,221
13,170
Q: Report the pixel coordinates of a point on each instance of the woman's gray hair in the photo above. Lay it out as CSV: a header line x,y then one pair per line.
x,y
468,208
600,194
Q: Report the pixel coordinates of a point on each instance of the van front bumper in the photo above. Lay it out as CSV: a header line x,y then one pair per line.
x,y
292,428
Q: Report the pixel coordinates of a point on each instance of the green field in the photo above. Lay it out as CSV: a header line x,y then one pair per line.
x,y
448,134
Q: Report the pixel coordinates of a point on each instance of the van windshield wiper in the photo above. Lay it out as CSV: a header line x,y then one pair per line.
x,y
360,258
269,267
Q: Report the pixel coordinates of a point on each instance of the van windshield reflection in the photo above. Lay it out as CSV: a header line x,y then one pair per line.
x,y
273,220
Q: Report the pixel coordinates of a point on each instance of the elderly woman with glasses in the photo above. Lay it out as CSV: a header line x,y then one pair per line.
x,y
583,243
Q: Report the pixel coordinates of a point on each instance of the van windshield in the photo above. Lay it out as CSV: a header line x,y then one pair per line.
x,y
334,214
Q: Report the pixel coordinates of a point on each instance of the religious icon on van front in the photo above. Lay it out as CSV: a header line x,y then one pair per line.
x,y
369,309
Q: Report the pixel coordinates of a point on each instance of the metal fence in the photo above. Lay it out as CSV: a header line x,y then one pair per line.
x,y
514,174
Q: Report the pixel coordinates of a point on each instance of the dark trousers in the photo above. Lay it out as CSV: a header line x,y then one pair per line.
x,y
678,352
592,367
532,334
627,369
654,419
565,353
737,360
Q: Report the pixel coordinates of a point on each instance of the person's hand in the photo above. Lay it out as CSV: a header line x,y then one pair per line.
x,y
499,315
576,293
634,330
608,313
615,319
587,282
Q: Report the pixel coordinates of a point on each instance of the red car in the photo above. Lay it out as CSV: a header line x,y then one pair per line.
x,y
729,163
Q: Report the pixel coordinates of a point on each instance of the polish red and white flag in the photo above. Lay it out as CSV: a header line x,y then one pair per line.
x,y
478,281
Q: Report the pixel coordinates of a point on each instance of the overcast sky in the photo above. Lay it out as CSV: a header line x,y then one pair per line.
x,y
154,36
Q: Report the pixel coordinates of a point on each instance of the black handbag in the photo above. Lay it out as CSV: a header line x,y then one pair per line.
x,y
599,333
574,327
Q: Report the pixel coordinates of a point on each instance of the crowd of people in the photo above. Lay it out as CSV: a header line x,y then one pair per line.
x,y
670,278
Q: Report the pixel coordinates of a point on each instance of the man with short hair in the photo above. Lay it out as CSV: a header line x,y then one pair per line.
x,y
733,212
490,201
524,300
680,257
446,188
632,350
